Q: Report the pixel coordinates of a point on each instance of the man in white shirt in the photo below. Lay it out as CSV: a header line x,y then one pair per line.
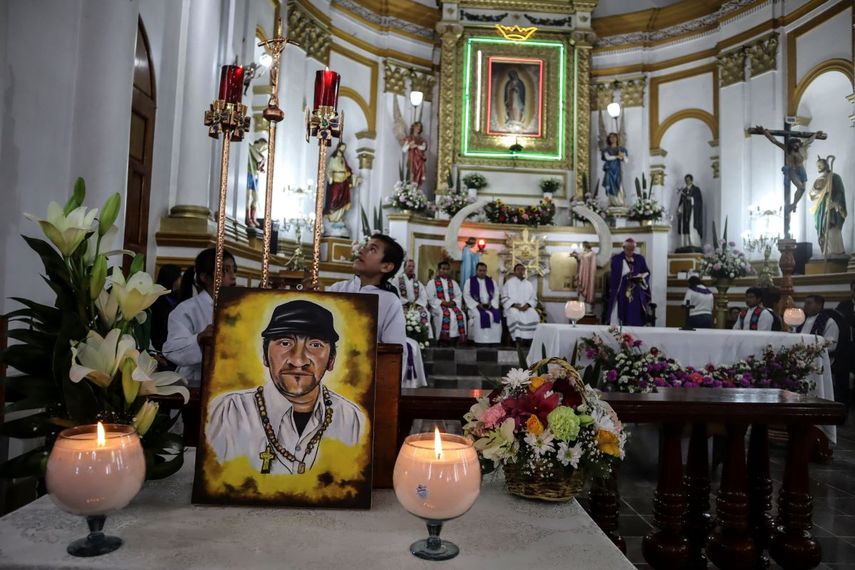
x,y
413,294
700,299
482,303
446,299
281,426
519,302
756,317
818,321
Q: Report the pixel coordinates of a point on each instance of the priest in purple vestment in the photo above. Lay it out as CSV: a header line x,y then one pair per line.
x,y
629,288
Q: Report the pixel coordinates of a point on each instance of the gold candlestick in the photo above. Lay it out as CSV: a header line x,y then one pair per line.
x,y
273,114
231,120
323,123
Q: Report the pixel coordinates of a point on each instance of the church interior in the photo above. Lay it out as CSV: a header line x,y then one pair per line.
x,y
650,198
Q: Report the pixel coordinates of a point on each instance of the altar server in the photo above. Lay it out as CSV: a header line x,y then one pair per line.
x,y
519,301
482,303
756,317
701,300
413,294
629,287
446,305
832,326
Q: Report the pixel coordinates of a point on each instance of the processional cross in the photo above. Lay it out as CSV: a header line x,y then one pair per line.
x,y
793,162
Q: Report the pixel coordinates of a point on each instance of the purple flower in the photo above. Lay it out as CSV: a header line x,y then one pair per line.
x,y
612,376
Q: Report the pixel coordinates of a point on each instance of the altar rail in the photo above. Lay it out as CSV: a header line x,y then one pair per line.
x,y
686,535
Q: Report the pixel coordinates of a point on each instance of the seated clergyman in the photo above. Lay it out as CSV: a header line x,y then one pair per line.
x,y
519,301
280,426
481,296
756,317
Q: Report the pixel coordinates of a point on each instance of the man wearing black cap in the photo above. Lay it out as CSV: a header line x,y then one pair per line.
x,y
281,425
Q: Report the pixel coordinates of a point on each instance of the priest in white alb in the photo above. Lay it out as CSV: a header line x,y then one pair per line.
x,y
519,301
446,306
412,293
482,303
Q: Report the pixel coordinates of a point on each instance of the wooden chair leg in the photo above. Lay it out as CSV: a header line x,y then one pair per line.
x,y
759,491
605,508
697,482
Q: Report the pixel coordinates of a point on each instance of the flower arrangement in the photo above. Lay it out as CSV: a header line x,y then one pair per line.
x,y
474,180
633,369
724,261
645,207
589,201
546,427
417,328
453,200
549,185
408,196
542,214
84,357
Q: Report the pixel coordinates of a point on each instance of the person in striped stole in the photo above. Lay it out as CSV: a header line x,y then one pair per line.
x,y
413,294
519,301
446,306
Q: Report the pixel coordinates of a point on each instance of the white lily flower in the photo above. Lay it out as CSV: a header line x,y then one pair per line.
x,y
98,358
145,417
160,383
108,307
137,294
66,232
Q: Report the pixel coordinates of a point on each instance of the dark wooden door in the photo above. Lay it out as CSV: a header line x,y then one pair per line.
x,y
140,150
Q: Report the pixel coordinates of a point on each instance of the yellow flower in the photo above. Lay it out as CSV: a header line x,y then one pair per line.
x,y
536,383
144,418
608,443
533,425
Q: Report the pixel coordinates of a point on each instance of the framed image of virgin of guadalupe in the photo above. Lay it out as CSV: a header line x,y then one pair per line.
x,y
288,407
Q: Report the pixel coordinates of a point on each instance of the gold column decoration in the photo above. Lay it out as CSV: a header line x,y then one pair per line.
x,y
231,120
657,175
763,54
582,79
604,93
632,92
309,32
731,67
449,34
273,114
323,123
394,78
365,156
423,81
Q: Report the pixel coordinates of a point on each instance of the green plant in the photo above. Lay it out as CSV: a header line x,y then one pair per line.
x,y
549,184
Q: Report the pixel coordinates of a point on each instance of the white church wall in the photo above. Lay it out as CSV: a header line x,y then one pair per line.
x,y
691,92
830,39
732,123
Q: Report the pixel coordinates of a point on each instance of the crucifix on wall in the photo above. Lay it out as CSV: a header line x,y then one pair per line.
x,y
795,154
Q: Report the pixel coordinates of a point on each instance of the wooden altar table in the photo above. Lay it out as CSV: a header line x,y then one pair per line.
x,y
162,530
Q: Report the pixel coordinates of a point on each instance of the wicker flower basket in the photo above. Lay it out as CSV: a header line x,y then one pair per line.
x,y
558,489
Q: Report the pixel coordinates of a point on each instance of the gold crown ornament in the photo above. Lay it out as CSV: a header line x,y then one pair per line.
x,y
515,33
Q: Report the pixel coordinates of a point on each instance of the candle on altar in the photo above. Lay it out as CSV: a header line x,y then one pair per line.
x,y
437,476
326,89
231,83
574,310
95,470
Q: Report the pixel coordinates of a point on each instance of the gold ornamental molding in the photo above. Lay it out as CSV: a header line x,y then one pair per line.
x,y
731,67
671,120
763,54
604,93
381,52
657,129
632,92
450,34
309,32
582,125
424,82
370,107
394,78
840,65
365,156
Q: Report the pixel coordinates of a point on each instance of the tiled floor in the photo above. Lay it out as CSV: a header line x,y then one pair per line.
x,y
833,492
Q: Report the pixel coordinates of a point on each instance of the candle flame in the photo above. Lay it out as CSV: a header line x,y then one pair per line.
x,y
102,437
437,442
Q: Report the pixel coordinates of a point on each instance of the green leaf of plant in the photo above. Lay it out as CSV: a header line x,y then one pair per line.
x,y
159,467
44,313
34,425
109,213
137,265
77,196
28,359
19,387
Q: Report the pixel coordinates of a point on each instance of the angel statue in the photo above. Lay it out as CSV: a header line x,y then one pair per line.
x,y
413,144
614,155
829,207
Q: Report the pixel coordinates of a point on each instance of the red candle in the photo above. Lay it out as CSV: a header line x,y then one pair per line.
x,y
231,83
326,89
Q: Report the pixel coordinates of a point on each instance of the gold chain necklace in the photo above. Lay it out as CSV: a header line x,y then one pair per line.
x,y
267,455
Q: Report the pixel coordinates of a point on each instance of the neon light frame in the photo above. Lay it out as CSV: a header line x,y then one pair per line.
x,y
467,69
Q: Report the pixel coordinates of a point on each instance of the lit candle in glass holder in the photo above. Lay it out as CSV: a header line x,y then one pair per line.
x,y
794,317
95,470
574,310
437,478
326,89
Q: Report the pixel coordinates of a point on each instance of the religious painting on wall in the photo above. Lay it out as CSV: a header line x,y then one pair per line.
x,y
287,411
515,96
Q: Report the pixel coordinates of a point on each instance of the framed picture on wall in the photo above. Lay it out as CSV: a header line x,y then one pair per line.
x,y
288,408
515,96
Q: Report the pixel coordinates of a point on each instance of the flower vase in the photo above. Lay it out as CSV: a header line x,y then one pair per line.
x,y
647,223
722,284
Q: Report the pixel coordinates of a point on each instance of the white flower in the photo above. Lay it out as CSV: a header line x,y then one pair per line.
x,y
108,308
66,232
161,383
541,444
569,455
144,418
517,378
98,358
137,294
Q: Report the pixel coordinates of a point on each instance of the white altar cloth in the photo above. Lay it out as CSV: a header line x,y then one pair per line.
x,y
690,348
162,530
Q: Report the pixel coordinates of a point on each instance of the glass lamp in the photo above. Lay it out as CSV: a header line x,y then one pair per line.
x,y
794,317
574,310
613,109
416,97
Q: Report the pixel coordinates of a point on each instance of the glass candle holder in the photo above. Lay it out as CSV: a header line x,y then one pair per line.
x,y
94,470
574,310
437,478
794,317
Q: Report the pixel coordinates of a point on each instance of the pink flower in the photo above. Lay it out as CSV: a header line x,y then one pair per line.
x,y
493,416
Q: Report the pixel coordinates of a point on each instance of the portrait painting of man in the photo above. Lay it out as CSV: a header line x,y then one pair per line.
x,y
287,409
515,96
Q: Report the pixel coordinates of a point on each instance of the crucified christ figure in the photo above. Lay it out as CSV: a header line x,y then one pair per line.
x,y
795,154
